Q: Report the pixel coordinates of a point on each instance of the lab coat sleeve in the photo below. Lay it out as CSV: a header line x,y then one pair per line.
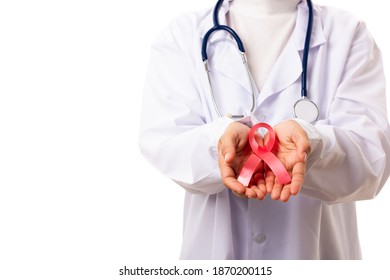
x,y
350,161
174,136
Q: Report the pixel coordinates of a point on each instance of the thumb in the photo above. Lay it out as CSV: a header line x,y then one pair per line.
x,y
302,143
228,151
234,138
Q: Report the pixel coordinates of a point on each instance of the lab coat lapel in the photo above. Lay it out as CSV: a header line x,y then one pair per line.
x,y
229,63
288,68
285,72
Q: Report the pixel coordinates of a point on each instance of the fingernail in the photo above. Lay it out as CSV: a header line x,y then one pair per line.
x,y
305,156
226,157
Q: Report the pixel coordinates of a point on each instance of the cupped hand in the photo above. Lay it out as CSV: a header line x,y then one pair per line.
x,y
233,152
292,149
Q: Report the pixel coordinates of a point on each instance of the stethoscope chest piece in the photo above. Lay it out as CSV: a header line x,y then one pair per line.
x,y
307,110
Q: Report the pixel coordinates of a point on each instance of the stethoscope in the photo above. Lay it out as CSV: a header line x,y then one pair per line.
x,y
304,108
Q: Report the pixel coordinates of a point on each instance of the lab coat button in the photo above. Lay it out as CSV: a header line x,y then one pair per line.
x,y
260,238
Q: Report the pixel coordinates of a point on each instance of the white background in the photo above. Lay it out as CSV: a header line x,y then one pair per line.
x,y
77,201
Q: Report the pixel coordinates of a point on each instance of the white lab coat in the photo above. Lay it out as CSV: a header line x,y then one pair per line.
x,y
350,142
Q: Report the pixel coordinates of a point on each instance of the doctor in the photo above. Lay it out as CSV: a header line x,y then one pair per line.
x,y
335,161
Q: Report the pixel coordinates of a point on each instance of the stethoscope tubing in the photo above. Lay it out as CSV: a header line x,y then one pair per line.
x,y
218,27
306,48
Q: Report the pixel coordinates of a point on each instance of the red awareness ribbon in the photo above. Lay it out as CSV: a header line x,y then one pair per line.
x,y
265,154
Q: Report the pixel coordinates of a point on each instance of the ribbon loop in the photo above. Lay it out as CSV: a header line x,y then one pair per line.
x,y
263,153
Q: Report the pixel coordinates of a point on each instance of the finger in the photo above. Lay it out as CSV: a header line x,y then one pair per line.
x,y
276,191
259,181
258,186
260,194
269,180
228,176
234,185
227,149
234,138
239,195
302,143
298,176
285,193
250,193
